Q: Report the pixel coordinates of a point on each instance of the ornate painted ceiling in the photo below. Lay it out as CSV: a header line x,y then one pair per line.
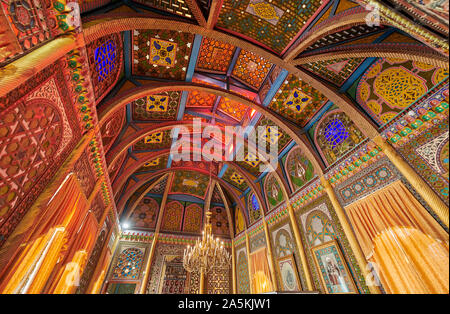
x,y
314,74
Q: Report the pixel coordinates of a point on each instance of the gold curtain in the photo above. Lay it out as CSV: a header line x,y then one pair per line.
x,y
33,264
409,248
260,272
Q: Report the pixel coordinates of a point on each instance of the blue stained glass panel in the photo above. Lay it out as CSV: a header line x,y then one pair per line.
x,y
335,132
255,203
105,57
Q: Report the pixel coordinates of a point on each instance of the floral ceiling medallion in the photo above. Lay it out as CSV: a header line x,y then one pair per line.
x,y
265,11
162,52
298,100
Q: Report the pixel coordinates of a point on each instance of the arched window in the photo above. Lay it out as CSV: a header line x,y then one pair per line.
x,y
254,208
335,135
105,62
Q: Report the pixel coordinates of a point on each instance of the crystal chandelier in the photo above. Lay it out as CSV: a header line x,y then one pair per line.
x,y
207,254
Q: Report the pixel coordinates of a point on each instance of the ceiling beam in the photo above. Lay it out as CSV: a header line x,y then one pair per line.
x,y
413,52
197,12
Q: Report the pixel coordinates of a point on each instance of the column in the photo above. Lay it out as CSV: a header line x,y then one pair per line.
x,y
301,250
349,233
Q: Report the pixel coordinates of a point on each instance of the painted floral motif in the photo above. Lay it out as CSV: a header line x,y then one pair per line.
x,y
162,52
271,135
156,137
300,170
252,159
157,103
237,178
273,191
392,85
297,100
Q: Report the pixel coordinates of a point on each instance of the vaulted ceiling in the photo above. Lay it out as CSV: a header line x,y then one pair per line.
x,y
157,65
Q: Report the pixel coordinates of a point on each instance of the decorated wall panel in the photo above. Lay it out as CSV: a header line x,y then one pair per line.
x,y
428,154
85,174
254,208
29,24
219,222
172,280
173,215
145,214
298,168
171,6
283,245
251,69
297,101
421,137
215,55
336,71
128,262
193,217
111,128
92,262
392,85
239,221
242,275
272,191
257,240
219,282
318,223
373,178
39,128
162,106
190,182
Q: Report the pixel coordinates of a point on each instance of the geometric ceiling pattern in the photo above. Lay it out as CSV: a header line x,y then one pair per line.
x,y
169,57
333,92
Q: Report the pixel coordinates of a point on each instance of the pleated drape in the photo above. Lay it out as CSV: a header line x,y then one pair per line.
x,y
260,272
51,239
408,247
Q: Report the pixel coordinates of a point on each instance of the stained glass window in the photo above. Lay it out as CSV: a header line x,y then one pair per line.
x,y
254,208
335,132
255,204
335,135
129,264
105,56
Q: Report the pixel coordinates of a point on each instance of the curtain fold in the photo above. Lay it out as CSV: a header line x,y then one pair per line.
x,y
59,232
408,246
260,271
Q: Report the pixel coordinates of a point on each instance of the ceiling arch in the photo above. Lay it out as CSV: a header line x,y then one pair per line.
x,y
124,198
379,50
119,182
292,130
120,147
108,24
